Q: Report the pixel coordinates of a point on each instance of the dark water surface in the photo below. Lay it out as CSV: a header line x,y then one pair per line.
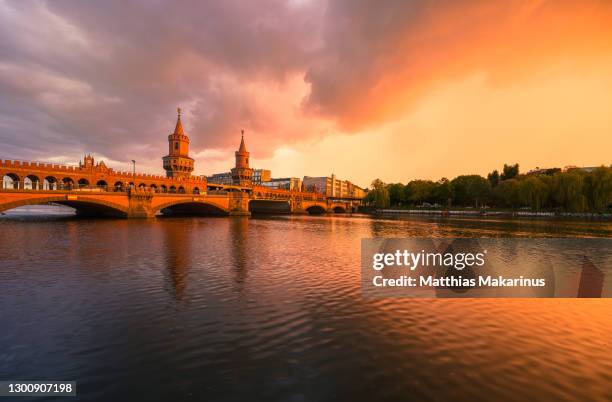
x,y
270,309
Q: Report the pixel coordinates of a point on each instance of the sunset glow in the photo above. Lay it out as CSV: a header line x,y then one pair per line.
x,y
408,90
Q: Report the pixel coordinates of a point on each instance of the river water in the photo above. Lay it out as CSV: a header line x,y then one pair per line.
x,y
270,309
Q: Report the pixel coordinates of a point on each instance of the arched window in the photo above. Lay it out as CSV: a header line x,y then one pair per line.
x,y
102,184
67,183
31,182
10,181
50,183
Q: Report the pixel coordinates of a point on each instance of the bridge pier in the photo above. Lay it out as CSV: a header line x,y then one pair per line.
x,y
239,204
140,205
239,213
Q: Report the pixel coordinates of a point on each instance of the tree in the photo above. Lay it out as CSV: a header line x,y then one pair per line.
x,y
493,178
380,194
533,192
567,189
420,191
507,193
396,193
510,171
598,188
442,192
470,189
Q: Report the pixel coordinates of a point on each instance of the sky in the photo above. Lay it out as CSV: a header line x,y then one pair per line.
x,y
396,90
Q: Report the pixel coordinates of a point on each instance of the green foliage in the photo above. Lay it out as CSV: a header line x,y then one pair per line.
x,y
493,178
533,192
420,191
380,194
510,171
443,193
396,194
470,190
571,191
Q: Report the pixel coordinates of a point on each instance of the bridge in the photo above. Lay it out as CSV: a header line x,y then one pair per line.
x,y
96,190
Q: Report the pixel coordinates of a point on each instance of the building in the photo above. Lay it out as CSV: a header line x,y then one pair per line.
x,y
261,175
220,178
242,174
178,163
286,183
356,191
333,187
586,169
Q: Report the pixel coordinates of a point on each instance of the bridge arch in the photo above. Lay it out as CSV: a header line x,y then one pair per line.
x,y
83,205
190,207
339,209
269,206
315,210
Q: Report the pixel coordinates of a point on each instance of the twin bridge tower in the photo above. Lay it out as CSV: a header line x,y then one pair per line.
x,y
95,189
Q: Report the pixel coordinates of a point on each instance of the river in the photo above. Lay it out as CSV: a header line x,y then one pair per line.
x,y
270,309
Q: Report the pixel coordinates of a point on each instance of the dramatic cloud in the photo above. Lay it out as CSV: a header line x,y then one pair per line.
x,y
377,60
106,77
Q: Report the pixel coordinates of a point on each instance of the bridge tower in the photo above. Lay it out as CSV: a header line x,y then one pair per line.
x,y
178,163
242,174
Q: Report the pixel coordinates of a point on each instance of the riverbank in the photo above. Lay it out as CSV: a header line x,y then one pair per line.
x,y
482,212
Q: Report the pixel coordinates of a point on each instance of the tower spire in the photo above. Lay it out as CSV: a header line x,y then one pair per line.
x,y
179,125
242,175
178,163
242,148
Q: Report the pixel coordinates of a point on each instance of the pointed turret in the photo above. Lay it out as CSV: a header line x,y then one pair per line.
x,y
178,163
242,149
178,130
242,175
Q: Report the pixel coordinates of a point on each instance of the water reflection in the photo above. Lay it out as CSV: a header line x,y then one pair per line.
x,y
177,245
271,308
240,245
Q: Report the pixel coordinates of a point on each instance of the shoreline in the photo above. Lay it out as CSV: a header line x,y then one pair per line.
x,y
494,213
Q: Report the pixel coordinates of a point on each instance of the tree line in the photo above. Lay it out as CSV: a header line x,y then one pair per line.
x,y
573,190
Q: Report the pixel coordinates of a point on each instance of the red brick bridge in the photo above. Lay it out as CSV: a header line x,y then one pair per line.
x,y
94,189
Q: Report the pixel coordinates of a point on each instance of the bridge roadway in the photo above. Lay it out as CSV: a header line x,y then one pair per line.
x,y
145,203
